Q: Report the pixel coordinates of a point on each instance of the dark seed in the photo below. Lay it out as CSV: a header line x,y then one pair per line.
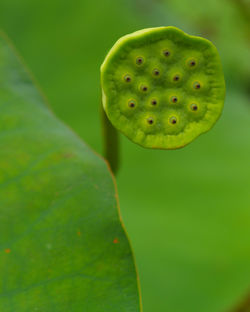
x,y
194,107
150,121
176,78
197,85
144,88
154,102
173,120
192,63
174,99
156,72
139,60
166,53
132,104
127,78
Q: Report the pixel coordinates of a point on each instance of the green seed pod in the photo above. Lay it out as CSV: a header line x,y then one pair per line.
x,y
162,88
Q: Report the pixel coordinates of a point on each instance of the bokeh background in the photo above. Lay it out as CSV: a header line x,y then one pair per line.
x,y
187,212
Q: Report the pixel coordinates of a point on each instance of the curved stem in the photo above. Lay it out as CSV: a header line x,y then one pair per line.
x,y
110,142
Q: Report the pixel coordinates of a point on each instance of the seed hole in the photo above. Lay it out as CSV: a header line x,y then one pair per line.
x,y
197,85
174,99
194,107
150,120
192,63
156,72
127,78
131,104
139,60
176,78
144,88
173,120
166,53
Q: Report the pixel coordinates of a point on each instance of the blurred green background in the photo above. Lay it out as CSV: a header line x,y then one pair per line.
x,y
187,212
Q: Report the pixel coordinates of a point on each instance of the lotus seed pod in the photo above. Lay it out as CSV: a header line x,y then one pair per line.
x,y
162,88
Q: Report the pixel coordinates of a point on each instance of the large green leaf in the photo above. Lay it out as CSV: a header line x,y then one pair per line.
x,y
62,244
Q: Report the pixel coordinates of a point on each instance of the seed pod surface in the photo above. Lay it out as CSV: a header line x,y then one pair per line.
x,y
162,88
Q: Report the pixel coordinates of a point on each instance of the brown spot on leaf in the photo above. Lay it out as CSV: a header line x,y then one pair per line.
x,y
68,155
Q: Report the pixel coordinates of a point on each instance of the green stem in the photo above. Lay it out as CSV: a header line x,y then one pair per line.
x,y
110,142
